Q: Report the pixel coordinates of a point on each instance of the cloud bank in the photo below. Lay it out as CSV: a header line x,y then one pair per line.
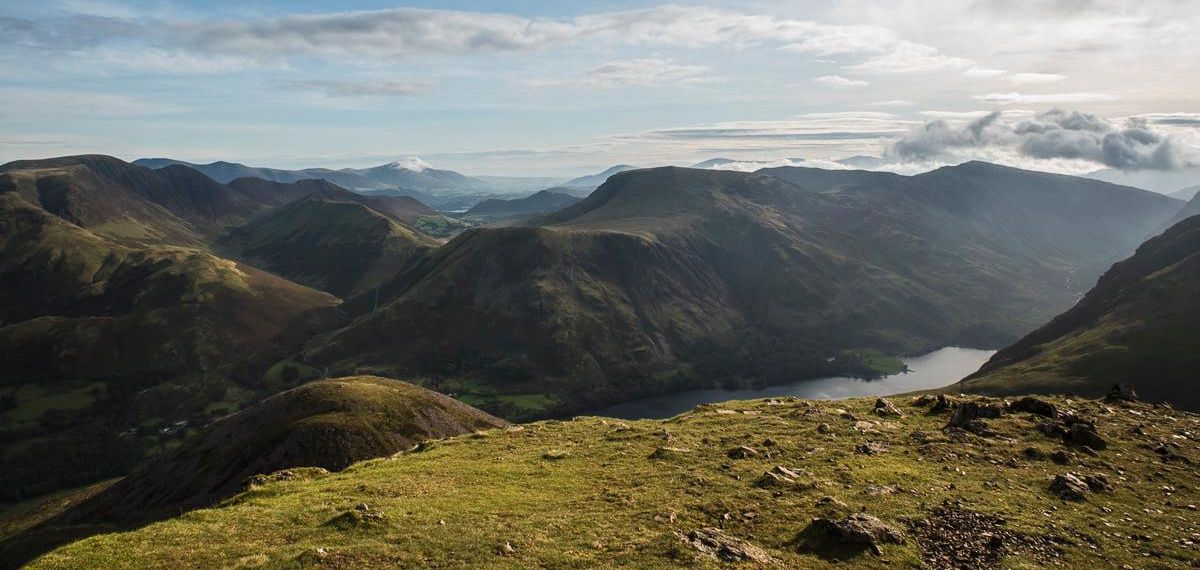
x,y
1054,134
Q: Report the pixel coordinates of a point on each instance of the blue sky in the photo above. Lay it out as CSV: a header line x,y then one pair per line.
x,y
559,88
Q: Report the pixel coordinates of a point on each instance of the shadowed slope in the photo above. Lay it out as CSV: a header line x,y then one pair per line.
x,y
133,204
672,277
342,247
96,337
328,424
1140,325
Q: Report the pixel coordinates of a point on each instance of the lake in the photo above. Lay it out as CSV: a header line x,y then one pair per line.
x,y
934,370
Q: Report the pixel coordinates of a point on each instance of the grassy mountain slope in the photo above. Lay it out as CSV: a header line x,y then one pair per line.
x,y
133,204
343,247
1139,325
675,277
591,181
394,175
404,209
324,425
536,310
96,337
226,172
496,209
542,201
593,492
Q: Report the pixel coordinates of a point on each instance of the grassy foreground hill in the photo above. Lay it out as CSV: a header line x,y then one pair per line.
x,y
313,429
1139,325
770,483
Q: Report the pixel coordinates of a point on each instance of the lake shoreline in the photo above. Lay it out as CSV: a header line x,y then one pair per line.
x,y
936,369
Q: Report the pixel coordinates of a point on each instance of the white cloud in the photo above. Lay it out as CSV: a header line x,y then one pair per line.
x,y
406,32
983,72
635,73
164,61
839,82
909,57
1028,78
359,87
1054,135
1033,98
892,103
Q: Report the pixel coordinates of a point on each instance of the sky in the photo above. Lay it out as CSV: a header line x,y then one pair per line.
x,y
562,88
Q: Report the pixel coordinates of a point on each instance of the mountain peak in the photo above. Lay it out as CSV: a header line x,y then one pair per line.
x,y
413,163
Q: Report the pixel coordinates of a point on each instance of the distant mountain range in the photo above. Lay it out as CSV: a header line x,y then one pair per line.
x,y
445,190
1163,181
1186,194
409,174
1140,326
496,209
675,277
149,301
591,181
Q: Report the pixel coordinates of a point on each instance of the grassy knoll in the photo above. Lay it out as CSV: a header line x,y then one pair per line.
x,y
593,492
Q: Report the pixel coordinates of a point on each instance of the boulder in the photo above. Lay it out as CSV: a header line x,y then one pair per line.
x,y
1085,434
942,404
1069,486
886,408
1034,406
968,411
1122,392
855,532
715,543
778,476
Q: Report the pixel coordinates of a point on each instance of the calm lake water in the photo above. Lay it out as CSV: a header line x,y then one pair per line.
x,y
934,370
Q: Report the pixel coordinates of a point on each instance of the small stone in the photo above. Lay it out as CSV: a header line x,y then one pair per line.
x,y
870,448
742,452
824,428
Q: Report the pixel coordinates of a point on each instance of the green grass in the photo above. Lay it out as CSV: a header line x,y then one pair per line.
x,y
884,364
530,402
33,400
585,494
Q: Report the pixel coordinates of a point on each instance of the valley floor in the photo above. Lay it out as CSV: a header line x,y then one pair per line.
x,y
597,492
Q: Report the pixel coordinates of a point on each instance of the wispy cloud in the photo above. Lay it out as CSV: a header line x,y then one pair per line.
x,y
839,82
1051,98
1028,78
358,88
635,73
408,32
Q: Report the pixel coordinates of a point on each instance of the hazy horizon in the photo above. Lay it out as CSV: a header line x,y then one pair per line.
x,y
526,89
